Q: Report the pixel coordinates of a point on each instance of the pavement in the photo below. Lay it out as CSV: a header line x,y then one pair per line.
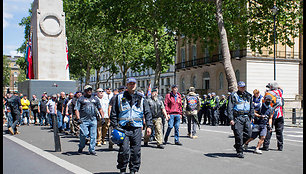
x,y
211,153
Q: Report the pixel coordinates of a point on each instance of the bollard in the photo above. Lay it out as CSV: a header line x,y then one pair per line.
x,y
293,116
57,141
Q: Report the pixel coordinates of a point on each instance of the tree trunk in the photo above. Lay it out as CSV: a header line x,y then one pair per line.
x,y
98,78
87,74
158,62
228,67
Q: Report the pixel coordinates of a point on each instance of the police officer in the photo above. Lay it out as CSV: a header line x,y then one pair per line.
x,y
222,109
214,104
240,109
127,113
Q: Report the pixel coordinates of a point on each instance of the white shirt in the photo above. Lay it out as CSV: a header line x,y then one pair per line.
x,y
104,103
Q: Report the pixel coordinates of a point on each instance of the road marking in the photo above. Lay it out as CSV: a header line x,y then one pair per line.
x,y
65,164
299,136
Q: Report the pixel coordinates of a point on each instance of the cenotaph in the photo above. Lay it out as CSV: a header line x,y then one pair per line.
x,y
51,73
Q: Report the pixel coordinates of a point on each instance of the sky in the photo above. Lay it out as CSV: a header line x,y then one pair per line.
x,y
13,34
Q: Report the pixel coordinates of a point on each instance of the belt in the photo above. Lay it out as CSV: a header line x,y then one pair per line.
x,y
241,112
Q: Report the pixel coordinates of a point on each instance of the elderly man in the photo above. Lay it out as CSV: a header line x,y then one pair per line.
x,y
86,109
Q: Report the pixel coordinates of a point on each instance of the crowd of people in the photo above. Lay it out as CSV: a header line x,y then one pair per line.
x,y
125,112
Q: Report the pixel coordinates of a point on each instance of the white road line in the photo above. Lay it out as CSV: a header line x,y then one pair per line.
x,y
65,164
299,136
297,132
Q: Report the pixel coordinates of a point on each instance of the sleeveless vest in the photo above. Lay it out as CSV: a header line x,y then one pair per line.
x,y
241,105
130,115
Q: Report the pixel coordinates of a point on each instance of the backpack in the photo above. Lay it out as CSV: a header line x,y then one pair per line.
x,y
192,103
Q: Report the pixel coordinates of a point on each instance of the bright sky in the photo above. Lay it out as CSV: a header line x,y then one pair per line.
x,y
13,34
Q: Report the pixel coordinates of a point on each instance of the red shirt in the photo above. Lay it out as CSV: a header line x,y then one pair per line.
x,y
172,106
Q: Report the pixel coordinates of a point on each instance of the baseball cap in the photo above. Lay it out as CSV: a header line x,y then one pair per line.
x,y
241,84
99,90
122,87
131,79
54,95
108,88
268,97
174,86
213,93
191,89
154,89
87,87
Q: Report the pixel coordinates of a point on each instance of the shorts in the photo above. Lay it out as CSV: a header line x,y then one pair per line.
x,y
262,131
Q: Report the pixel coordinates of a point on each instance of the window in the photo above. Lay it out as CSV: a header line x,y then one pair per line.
x,y
182,85
221,80
183,57
162,92
194,81
206,79
143,83
162,81
194,54
168,81
138,83
237,74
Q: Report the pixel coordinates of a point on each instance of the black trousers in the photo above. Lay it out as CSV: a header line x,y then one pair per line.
x,y
206,116
214,117
279,127
129,151
242,131
222,116
35,115
200,115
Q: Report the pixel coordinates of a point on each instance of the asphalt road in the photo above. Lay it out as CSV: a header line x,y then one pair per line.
x,y
211,153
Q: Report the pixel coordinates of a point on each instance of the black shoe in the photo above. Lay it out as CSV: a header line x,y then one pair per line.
x,y
160,146
178,143
93,153
122,172
146,144
110,147
132,172
265,148
240,155
280,149
80,150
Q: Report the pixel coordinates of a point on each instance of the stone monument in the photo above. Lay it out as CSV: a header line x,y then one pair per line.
x,y
50,64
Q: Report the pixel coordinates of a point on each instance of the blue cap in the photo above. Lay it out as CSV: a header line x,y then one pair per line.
x,y
131,79
241,84
174,86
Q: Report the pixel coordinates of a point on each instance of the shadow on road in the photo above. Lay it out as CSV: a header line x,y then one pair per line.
x,y
70,153
217,155
107,173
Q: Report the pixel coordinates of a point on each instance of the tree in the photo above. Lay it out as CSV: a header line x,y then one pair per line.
x,y
233,23
6,72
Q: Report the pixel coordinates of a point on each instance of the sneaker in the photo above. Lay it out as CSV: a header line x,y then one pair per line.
x,y
11,130
103,142
99,144
146,144
132,172
245,146
240,155
189,135
194,137
110,147
257,151
178,143
160,146
265,148
17,132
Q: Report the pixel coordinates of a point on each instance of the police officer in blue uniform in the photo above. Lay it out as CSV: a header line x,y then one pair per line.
x,y
240,110
128,112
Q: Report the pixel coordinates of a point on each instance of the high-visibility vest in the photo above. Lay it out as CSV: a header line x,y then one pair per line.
x,y
132,115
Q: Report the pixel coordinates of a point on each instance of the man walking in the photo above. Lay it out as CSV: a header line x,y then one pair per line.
x,y
276,93
158,111
192,106
173,106
86,111
214,105
240,109
128,111
42,111
60,105
222,110
16,110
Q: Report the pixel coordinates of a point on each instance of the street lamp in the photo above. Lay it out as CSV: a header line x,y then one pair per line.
x,y
175,41
123,80
274,11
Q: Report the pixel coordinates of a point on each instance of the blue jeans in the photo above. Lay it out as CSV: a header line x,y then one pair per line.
x,y
174,120
88,129
66,126
59,120
42,117
26,113
9,119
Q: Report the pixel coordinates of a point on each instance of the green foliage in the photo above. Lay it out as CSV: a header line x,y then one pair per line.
x,y
6,71
26,22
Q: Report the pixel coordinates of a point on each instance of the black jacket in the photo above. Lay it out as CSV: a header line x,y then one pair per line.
x,y
131,99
